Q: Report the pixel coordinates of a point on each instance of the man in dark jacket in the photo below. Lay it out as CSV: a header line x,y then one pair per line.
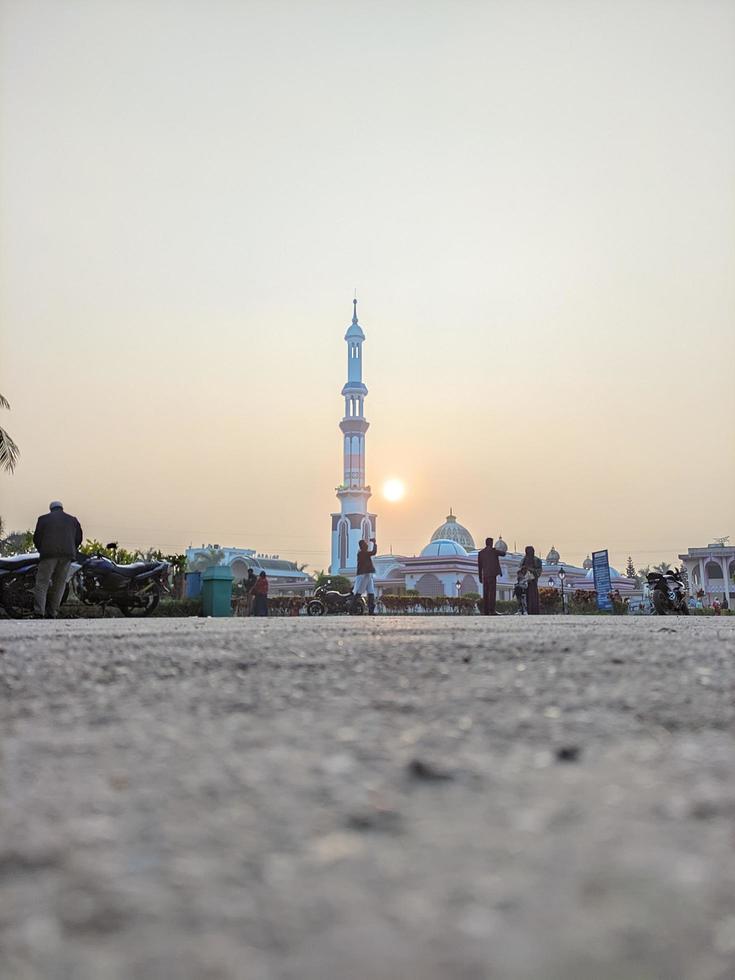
x,y
488,566
57,538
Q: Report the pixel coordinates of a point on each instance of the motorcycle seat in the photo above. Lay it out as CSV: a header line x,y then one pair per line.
x,y
135,569
17,561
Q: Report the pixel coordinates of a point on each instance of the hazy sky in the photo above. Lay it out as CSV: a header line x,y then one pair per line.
x,y
534,200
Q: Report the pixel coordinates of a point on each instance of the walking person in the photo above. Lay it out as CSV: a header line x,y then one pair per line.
x,y
488,567
532,565
260,593
365,578
57,538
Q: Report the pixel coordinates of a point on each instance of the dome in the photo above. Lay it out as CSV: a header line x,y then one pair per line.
x,y
553,556
443,548
354,331
614,573
501,546
452,531
587,563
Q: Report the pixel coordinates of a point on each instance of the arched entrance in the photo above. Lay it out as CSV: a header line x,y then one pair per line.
x,y
430,585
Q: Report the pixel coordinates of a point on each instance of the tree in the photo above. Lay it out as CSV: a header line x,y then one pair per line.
x,y
17,543
662,567
630,568
339,582
211,556
9,451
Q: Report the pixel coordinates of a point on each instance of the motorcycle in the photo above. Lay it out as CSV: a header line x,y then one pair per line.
x,y
135,589
668,593
18,580
326,600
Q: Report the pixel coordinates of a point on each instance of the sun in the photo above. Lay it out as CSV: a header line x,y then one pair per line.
x,y
393,489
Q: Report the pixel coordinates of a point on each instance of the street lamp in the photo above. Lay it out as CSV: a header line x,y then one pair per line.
x,y
562,576
552,583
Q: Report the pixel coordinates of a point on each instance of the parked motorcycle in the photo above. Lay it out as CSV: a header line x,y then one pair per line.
x,y
135,589
18,580
668,593
326,600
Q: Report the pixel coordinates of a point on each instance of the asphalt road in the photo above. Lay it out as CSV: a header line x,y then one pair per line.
x,y
389,799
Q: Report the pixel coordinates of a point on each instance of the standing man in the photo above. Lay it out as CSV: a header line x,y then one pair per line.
x,y
365,578
488,566
57,538
249,585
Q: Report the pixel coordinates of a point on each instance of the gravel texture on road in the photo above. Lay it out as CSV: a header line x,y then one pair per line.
x,y
418,798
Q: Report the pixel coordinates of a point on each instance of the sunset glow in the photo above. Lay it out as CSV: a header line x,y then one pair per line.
x,y
394,490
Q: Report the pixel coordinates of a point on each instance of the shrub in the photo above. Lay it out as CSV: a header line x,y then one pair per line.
x,y
583,602
285,605
549,600
73,609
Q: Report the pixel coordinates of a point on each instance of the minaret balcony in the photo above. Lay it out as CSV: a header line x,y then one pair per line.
x,y
354,425
355,388
344,491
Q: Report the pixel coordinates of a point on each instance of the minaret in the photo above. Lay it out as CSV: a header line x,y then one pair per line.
x,y
353,521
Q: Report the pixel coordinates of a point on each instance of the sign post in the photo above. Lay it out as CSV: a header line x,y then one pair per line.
x,y
603,585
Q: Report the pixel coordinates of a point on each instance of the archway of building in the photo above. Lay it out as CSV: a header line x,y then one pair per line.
x,y
714,572
239,569
429,584
468,585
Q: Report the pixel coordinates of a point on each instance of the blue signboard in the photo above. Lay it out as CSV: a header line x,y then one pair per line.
x,y
603,585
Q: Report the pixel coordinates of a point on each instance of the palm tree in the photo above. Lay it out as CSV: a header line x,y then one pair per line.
x,y
9,451
662,567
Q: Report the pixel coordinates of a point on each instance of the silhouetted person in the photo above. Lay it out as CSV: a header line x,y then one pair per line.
x,y
57,538
260,592
248,585
365,578
488,566
533,566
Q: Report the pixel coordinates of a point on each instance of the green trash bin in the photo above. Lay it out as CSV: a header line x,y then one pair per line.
x,y
217,591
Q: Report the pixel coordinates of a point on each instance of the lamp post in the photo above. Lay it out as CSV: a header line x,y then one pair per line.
x,y
458,586
562,576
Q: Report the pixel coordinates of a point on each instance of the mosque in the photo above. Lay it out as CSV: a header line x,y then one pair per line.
x,y
448,563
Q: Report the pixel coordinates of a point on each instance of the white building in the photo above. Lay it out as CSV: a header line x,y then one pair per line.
x,y
711,571
447,566
283,575
353,521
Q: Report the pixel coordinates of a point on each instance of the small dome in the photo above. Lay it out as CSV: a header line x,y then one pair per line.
x,y
452,531
443,548
614,573
587,563
354,331
501,546
553,556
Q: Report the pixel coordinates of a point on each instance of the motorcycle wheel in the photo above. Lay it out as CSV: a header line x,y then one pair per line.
x,y
315,608
148,602
358,607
